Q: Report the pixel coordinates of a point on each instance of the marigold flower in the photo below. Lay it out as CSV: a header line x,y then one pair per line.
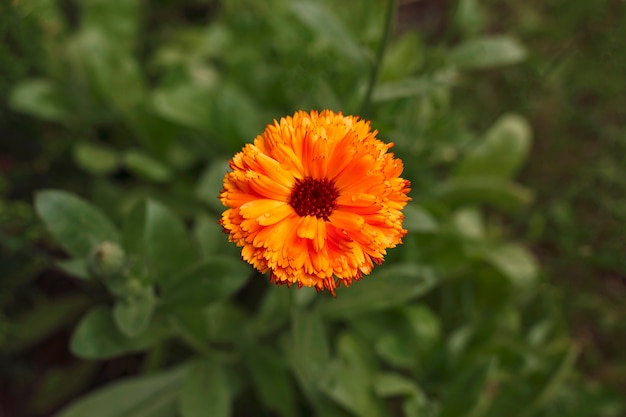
x,y
316,200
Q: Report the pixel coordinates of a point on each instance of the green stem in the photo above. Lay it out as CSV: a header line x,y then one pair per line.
x,y
389,14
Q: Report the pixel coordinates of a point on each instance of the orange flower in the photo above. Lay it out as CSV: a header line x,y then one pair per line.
x,y
316,200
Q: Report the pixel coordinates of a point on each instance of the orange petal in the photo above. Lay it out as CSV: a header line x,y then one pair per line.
x,y
347,221
262,207
307,227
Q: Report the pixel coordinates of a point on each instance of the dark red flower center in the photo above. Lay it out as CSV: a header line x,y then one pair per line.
x,y
314,197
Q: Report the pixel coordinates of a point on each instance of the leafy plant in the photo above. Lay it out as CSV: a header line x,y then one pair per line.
x,y
458,321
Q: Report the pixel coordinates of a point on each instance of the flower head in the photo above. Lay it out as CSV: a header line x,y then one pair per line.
x,y
316,200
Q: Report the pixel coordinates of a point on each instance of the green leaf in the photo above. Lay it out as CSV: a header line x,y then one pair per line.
x,y
208,281
95,159
389,384
515,262
265,364
396,349
470,394
425,325
145,396
309,350
328,28
119,19
487,52
418,220
402,57
210,237
97,336
469,223
190,321
387,287
44,319
113,69
59,385
39,98
348,380
233,132
75,267
133,313
226,321
205,391
77,225
159,242
470,17
146,167
498,192
186,104
211,183
554,384
414,87
273,313
502,151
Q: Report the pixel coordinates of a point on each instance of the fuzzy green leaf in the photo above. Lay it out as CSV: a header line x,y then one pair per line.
x,y
77,225
145,396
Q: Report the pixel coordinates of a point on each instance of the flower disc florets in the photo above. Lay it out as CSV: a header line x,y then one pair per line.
x,y
316,200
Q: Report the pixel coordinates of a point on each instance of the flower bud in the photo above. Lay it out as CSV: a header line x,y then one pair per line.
x,y
107,259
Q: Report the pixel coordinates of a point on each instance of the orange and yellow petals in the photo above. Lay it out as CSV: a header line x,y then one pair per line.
x,y
316,200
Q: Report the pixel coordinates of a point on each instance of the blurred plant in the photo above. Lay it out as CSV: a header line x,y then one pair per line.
x,y
457,321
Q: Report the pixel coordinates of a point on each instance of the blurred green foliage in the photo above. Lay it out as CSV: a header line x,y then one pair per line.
x,y
135,106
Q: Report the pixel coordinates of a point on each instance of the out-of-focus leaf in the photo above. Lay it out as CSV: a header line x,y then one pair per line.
x,y
385,288
515,262
61,384
145,166
348,380
211,183
273,313
97,337
416,219
191,321
389,384
95,159
265,364
470,17
425,325
157,239
498,192
133,312
327,27
309,350
397,349
210,237
39,98
205,391
186,104
487,52
225,321
413,87
502,151
458,341
402,57
44,319
75,267
114,71
471,393
469,223
119,19
211,280
235,118
77,225
145,396
554,384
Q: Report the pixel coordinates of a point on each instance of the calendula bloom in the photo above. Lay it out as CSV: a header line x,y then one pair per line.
x,y
316,200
